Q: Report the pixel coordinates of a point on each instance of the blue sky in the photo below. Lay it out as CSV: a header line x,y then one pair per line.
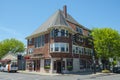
x,y
19,18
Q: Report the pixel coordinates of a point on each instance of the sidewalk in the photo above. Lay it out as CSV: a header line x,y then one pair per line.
x,y
79,73
34,72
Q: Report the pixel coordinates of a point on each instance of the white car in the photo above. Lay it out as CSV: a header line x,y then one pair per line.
x,y
11,68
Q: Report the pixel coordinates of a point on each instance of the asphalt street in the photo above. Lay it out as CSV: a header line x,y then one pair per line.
x,y
26,76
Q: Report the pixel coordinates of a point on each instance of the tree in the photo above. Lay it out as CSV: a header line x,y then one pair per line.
x,y
106,44
12,45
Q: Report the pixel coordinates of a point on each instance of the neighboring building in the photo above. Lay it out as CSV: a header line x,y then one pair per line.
x,y
60,44
17,58
9,57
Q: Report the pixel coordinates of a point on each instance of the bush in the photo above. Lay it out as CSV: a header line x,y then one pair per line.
x,y
47,67
105,71
69,68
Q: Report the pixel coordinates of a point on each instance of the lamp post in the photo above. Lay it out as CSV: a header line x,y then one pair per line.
x,y
93,58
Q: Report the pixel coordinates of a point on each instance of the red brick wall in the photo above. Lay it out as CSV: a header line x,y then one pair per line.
x,y
41,50
46,50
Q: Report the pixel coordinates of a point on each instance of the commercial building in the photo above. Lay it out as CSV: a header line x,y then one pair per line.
x,y
60,45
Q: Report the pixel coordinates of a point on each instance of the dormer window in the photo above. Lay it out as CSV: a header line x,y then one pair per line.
x,y
79,30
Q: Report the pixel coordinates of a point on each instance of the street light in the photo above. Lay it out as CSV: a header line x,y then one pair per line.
x,y
93,58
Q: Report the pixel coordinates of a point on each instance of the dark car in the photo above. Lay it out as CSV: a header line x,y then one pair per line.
x,y
116,69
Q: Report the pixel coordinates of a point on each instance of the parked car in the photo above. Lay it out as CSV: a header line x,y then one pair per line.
x,y
116,69
10,68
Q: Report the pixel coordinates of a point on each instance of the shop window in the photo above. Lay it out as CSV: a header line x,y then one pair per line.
x,y
70,64
47,63
82,64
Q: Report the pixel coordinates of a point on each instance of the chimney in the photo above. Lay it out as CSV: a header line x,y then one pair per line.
x,y
65,11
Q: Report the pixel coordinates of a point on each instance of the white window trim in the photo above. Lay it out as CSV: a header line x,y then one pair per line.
x,y
59,46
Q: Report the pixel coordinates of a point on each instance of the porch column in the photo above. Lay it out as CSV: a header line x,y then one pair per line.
x,y
42,65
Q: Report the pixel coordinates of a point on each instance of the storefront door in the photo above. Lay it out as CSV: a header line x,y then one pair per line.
x,y
36,65
58,66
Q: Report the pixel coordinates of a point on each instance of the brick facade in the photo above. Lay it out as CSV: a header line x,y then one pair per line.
x,y
42,53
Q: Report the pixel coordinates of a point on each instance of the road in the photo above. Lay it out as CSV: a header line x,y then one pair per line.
x,y
26,76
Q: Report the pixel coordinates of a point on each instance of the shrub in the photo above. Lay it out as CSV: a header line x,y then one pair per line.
x,y
105,71
69,68
47,67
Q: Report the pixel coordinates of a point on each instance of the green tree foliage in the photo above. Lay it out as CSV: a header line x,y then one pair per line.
x,y
106,43
11,45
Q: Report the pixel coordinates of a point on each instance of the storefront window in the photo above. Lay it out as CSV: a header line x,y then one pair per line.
x,y
47,63
70,64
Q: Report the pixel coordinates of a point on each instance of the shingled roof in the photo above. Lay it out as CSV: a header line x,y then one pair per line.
x,y
56,20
